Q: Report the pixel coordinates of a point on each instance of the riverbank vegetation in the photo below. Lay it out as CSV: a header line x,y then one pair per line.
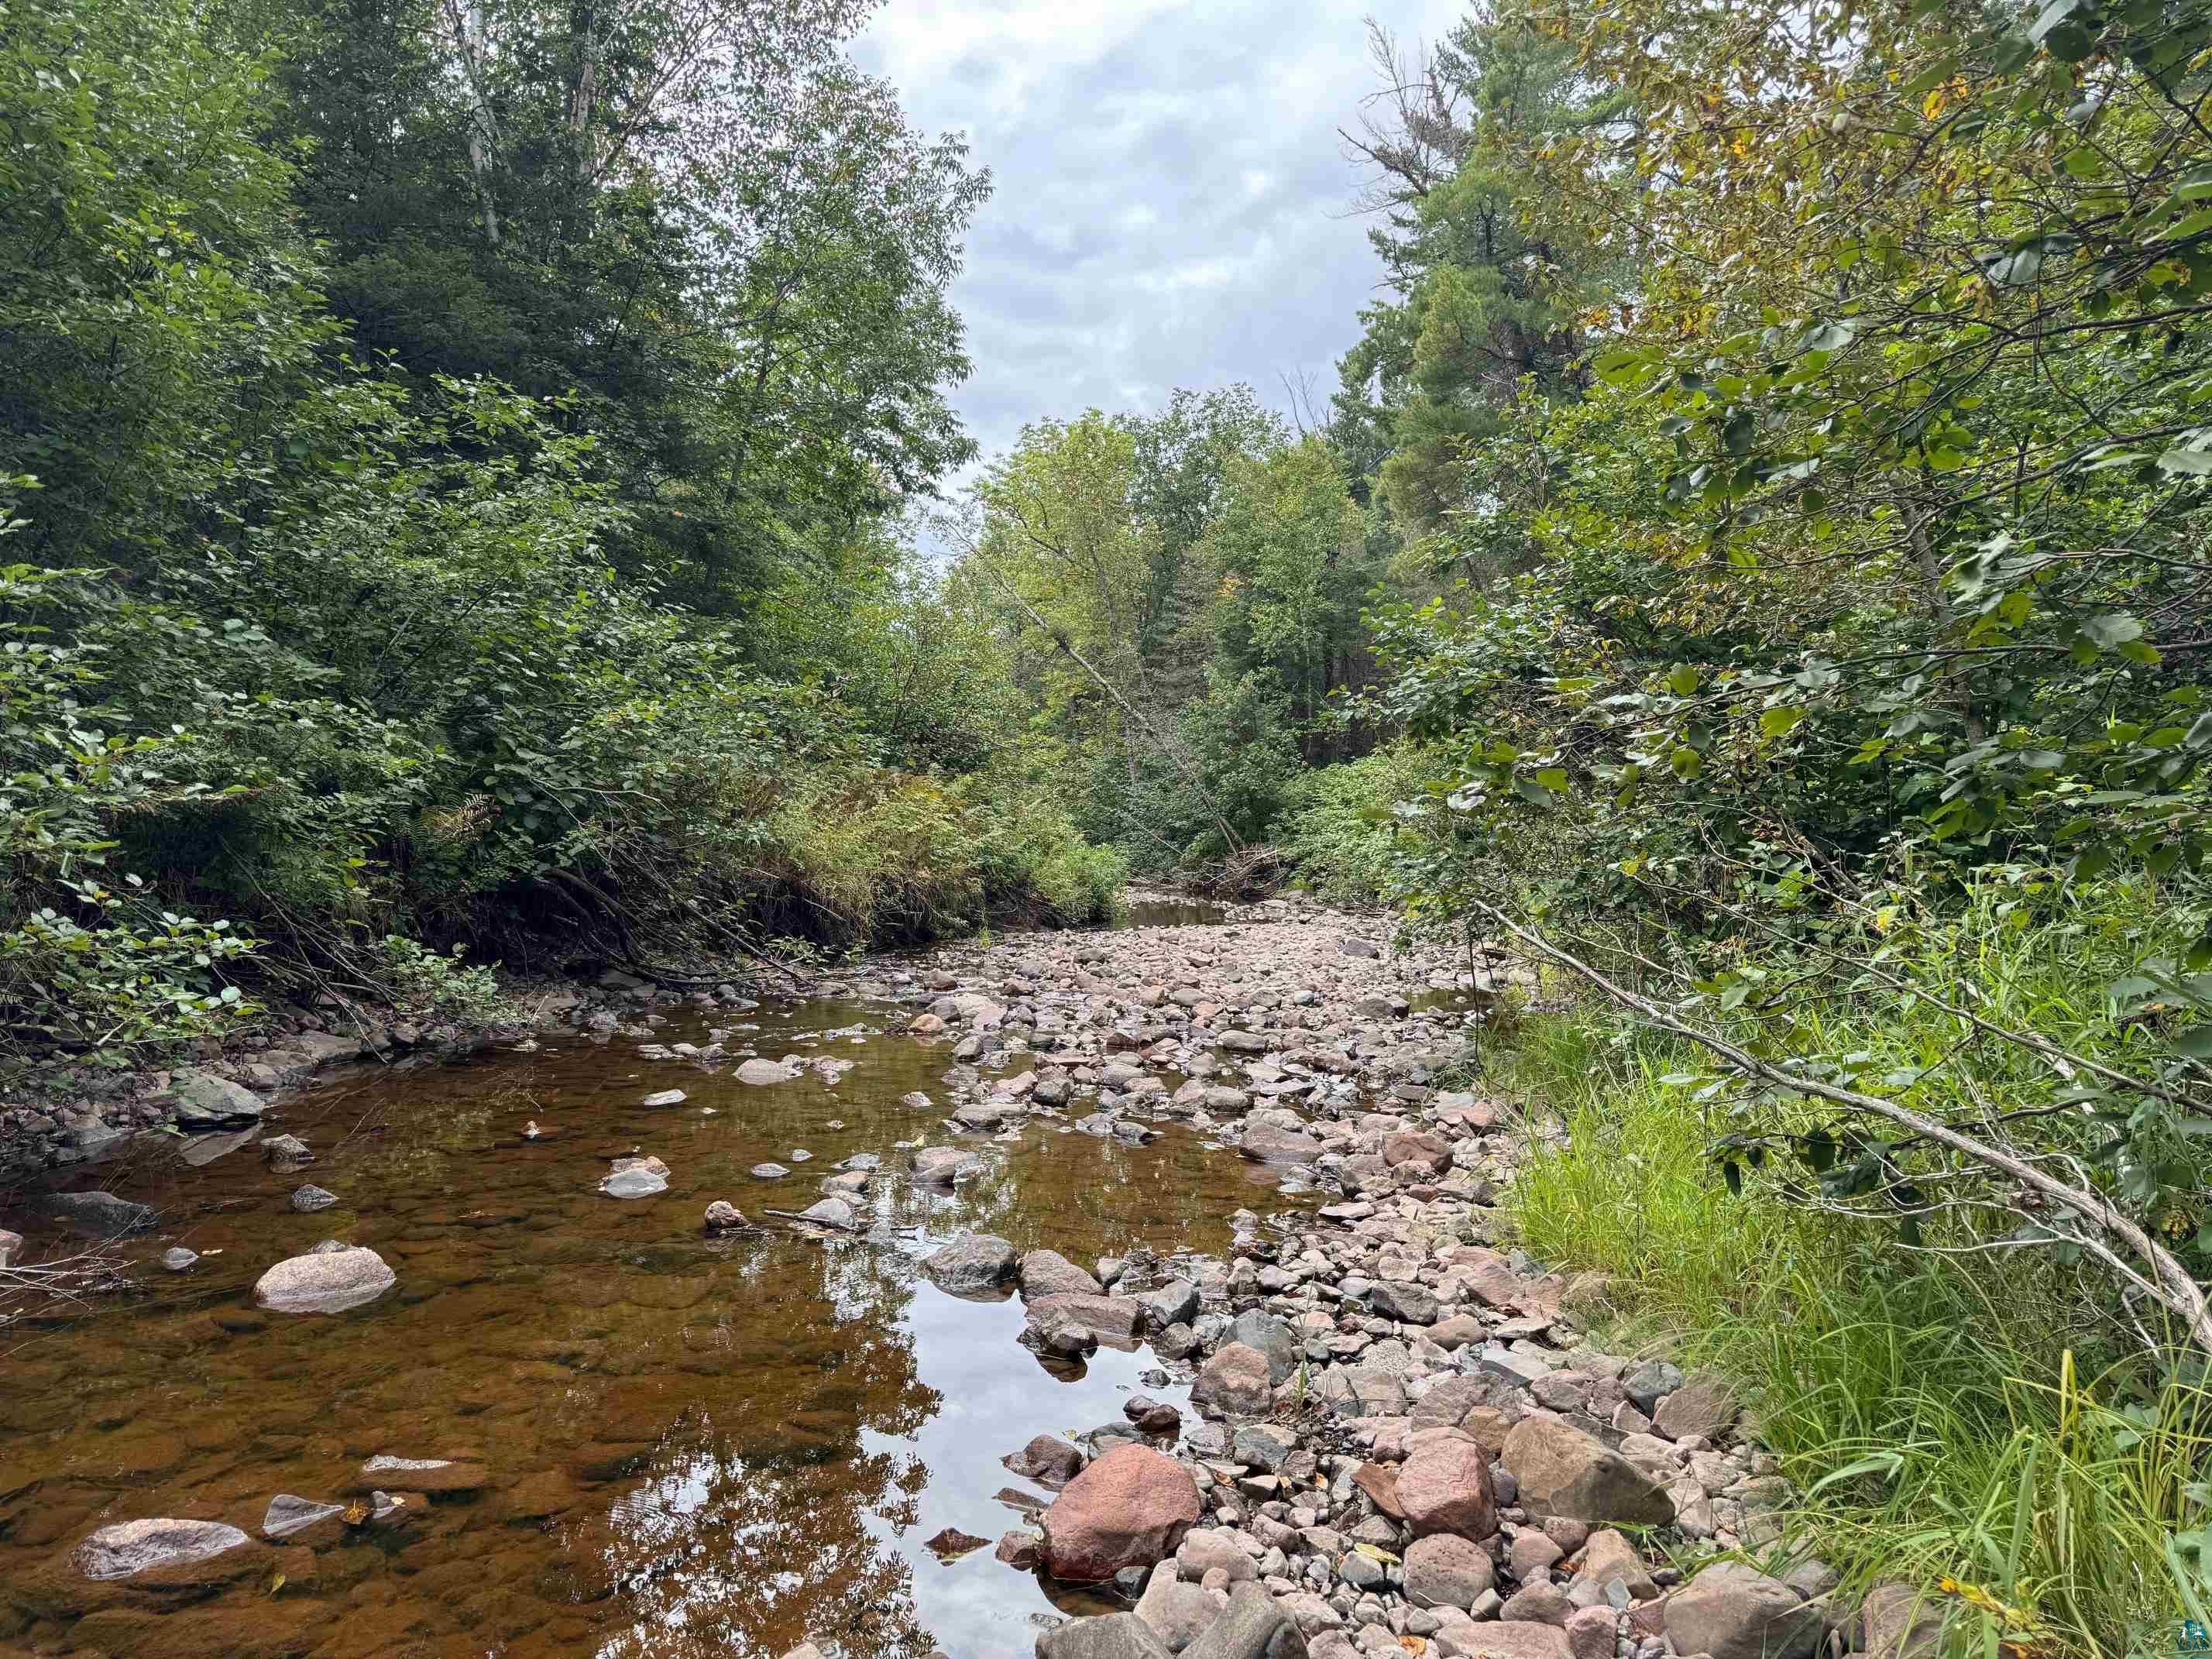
x,y
486,478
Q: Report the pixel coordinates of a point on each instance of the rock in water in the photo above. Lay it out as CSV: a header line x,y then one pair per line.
x,y
972,1267
11,1247
311,1198
936,1166
1047,1459
1130,1508
137,1546
325,1282
1265,1144
833,1212
1048,1273
96,1215
288,1515
761,1072
201,1100
722,1216
177,1259
634,1183
664,1097
951,1544
769,1171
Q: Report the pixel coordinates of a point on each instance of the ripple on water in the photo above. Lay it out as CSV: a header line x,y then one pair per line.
x,y
689,1444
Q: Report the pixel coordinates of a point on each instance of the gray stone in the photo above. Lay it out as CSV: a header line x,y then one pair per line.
x,y
1649,1380
177,1259
1175,1302
1272,1337
769,1171
11,1247
311,1198
1115,1635
938,1166
324,1282
1901,1622
664,1097
1266,1144
201,1100
1410,1304
287,1151
1264,1446
96,1215
761,1072
1178,1612
132,1547
1048,1273
722,1216
1253,1625
975,1266
832,1213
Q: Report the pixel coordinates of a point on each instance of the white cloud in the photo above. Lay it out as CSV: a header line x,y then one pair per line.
x,y
1171,202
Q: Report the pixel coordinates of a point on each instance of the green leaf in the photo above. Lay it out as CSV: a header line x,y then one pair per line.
x,y
2112,629
2197,462
1622,366
1779,722
1682,679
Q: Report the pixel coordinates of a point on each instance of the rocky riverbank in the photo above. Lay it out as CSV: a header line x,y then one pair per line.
x,y
1399,1431
1405,1435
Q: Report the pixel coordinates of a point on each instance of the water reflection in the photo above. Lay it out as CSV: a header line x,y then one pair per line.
x,y
696,1445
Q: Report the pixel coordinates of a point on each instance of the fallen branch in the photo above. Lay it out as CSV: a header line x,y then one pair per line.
x,y
2165,1281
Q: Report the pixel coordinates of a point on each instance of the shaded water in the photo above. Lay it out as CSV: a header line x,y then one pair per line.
x,y
695,1445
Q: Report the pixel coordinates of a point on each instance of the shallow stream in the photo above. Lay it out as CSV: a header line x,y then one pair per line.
x,y
696,1445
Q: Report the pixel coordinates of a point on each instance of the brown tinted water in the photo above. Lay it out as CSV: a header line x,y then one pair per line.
x,y
697,1446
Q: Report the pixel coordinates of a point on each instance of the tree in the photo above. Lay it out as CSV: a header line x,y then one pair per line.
x,y
695,219
1488,281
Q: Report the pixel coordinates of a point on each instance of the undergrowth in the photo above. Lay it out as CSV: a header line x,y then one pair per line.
x,y
1978,1423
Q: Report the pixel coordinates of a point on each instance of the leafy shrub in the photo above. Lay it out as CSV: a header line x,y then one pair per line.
x,y
426,985
1339,828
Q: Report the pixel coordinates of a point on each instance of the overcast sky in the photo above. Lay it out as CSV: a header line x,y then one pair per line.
x,y
1171,199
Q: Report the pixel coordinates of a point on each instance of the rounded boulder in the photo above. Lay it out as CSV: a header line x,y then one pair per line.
x,y
1130,1508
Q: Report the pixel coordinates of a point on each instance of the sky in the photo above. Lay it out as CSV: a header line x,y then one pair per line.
x,y
1171,202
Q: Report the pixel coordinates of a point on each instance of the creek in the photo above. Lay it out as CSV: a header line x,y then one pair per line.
x,y
693,1444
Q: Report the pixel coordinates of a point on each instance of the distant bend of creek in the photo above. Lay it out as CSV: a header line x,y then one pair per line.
x,y
695,1444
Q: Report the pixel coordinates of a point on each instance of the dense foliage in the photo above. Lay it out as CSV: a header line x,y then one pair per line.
x,y
451,459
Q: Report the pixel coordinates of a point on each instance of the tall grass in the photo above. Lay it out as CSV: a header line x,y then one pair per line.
x,y
1978,1426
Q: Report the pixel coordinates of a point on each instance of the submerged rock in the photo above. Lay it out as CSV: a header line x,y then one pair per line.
x,y
132,1547
96,1215
636,1183
310,1197
324,1282
761,1072
288,1515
